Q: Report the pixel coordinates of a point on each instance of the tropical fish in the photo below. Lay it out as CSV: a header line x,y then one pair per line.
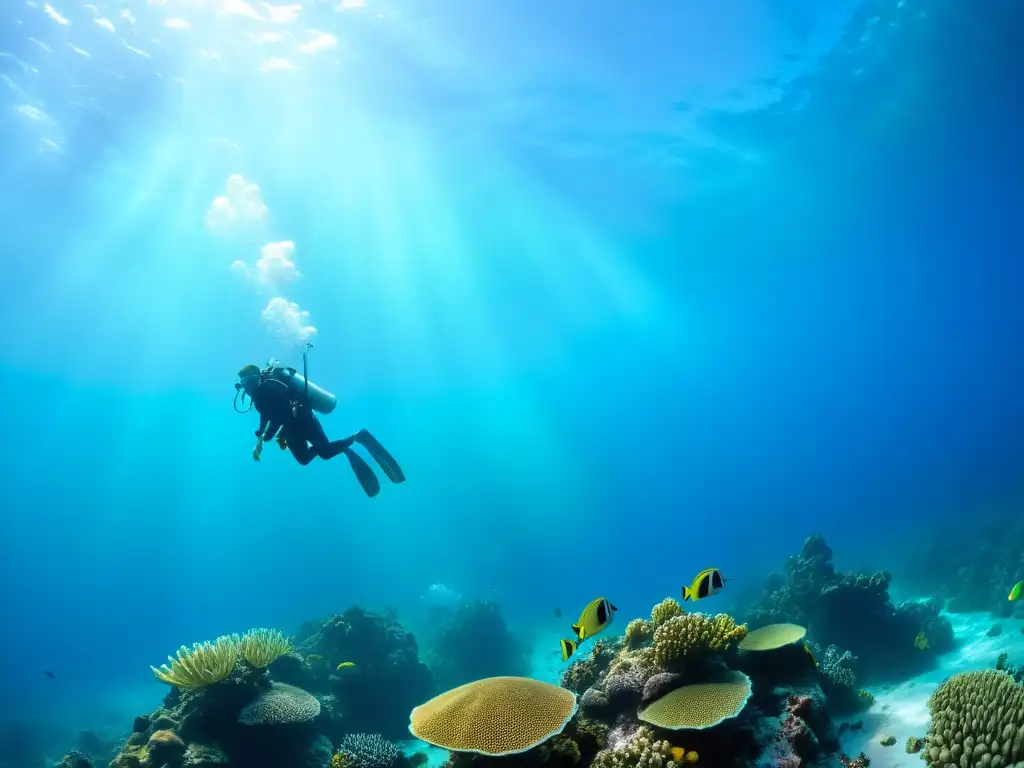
x,y
595,617
49,674
558,613
707,583
810,654
1015,593
681,755
921,641
568,648
346,665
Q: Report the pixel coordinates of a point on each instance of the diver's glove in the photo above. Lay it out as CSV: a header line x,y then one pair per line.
x,y
257,450
282,441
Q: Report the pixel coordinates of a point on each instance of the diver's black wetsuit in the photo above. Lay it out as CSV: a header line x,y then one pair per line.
x,y
296,422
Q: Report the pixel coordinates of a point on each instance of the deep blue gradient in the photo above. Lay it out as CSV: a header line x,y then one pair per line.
x,y
629,291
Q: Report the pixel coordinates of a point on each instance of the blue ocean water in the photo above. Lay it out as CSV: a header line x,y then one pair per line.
x,y
628,291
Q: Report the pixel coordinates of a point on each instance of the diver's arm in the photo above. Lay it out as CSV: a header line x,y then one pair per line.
x,y
271,432
263,425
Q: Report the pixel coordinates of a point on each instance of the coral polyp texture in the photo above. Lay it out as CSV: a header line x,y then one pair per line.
x,y
772,637
642,751
202,664
694,634
700,705
494,716
280,704
667,609
638,632
262,647
977,722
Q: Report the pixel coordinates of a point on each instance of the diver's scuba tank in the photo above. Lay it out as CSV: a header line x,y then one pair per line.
x,y
320,400
299,387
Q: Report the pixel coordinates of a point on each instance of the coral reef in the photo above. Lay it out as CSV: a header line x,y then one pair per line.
x,y
454,655
368,750
853,611
374,695
977,722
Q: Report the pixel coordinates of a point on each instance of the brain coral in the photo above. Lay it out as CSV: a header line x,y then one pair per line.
x,y
281,704
694,634
699,706
977,722
494,716
772,636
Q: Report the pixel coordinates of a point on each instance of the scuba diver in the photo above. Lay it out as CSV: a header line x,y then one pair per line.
x,y
286,402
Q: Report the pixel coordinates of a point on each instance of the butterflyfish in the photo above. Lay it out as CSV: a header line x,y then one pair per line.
x,y
1015,593
568,648
707,583
595,617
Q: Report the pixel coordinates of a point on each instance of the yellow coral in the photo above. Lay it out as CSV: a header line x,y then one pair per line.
x,y
667,609
201,665
262,647
693,634
340,760
771,637
642,751
977,722
494,716
699,706
638,631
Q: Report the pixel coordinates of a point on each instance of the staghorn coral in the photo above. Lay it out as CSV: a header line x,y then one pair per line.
x,y
262,647
694,635
699,706
368,750
281,704
977,722
495,716
837,666
667,609
203,664
638,632
641,751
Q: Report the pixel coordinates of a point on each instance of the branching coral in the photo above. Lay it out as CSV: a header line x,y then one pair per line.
x,y
667,609
203,664
694,634
642,751
262,647
638,632
368,750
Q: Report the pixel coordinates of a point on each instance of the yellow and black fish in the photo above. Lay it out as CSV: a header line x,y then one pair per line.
x,y
568,648
707,583
1015,593
810,654
594,619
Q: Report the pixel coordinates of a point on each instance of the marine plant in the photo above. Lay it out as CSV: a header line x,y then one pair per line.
x,y
262,647
202,664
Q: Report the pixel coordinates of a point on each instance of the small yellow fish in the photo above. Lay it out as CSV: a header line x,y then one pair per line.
x,y
568,648
810,654
921,641
707,583
595,617
346,665
1015,593
680,755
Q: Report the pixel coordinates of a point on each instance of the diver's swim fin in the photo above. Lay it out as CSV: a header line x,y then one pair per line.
x,y
381,456
363,472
